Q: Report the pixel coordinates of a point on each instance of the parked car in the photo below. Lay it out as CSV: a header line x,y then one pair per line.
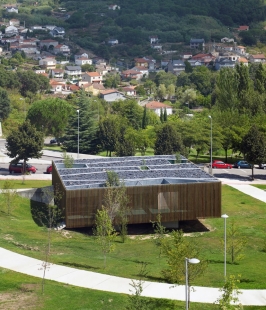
x,y
262,166
220,165
18,168
49,169
242,164
53,141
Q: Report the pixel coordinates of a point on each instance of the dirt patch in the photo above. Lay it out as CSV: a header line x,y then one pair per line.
x,y
66,234
25,298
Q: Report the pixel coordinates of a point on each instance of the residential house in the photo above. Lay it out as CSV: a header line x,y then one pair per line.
x,y
37,27
28,48
114,7
197,43
81,55
186,56
157,107
57,73
112,41
103,70
164,63
143,70
204,58
11,30
259,58
240,50
40,71
227,40
131,74
73,71
48,44
62,49
83,61
12,9
93,88
195,63
228,48
153,39
224,63
157,47
14,22
48,63
57,32
141,62
129,91
99,61
176,66
243,28
56,87
92,77
31,41
242,60
111,95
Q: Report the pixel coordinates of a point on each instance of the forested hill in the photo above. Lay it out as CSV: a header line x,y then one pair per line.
x,y
229,12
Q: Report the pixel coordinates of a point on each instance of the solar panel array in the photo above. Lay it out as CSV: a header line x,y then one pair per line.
x,y
137,170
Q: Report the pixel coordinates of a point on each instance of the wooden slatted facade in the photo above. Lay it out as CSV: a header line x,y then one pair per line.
x,y
176,202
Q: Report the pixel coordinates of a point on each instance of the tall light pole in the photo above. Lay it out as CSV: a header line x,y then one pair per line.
x,y
224,216
211,146
78,134
191,261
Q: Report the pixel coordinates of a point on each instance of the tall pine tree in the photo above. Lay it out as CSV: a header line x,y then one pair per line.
x,y
88,126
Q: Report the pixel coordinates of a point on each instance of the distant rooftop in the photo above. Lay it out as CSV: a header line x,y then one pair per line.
x,y
132,170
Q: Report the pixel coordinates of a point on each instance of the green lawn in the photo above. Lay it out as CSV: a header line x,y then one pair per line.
x,y
19,291
18,184
78,248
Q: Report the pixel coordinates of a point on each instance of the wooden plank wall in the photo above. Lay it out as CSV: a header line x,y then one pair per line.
x,y
175,202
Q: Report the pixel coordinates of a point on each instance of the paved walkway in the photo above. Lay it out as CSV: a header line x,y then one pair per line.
x,y
97,281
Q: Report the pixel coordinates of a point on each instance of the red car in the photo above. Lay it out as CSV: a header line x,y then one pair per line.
x,y
49,169
221,165
18,168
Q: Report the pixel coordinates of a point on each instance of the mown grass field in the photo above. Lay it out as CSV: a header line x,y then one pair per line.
x,y
20,233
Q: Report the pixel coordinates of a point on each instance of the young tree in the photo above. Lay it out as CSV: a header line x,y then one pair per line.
x,y
116,203
229,299
159,234
235,244
10,196
135,301
176,249
104,232
24,143
68,160
48,215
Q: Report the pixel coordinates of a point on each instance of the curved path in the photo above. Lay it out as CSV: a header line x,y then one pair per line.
x,y
97,281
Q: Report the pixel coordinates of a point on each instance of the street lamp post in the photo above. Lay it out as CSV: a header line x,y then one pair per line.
x,y
211,146
224,216
78,134
191,261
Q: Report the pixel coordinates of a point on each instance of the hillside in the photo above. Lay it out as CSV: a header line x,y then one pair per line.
x,y
92,23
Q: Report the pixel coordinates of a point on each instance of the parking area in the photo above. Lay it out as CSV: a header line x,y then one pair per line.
x,y
239,174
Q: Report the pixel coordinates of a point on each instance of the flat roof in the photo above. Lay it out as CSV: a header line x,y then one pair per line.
x,y
132,170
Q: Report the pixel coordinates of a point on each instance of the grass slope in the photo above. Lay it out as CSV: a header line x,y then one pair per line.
x,y
78,248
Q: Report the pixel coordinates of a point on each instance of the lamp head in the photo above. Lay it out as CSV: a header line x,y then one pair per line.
x,y
78,111
224,216
210,116
193,260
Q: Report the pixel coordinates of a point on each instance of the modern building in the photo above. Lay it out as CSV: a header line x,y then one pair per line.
x,y
154,184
